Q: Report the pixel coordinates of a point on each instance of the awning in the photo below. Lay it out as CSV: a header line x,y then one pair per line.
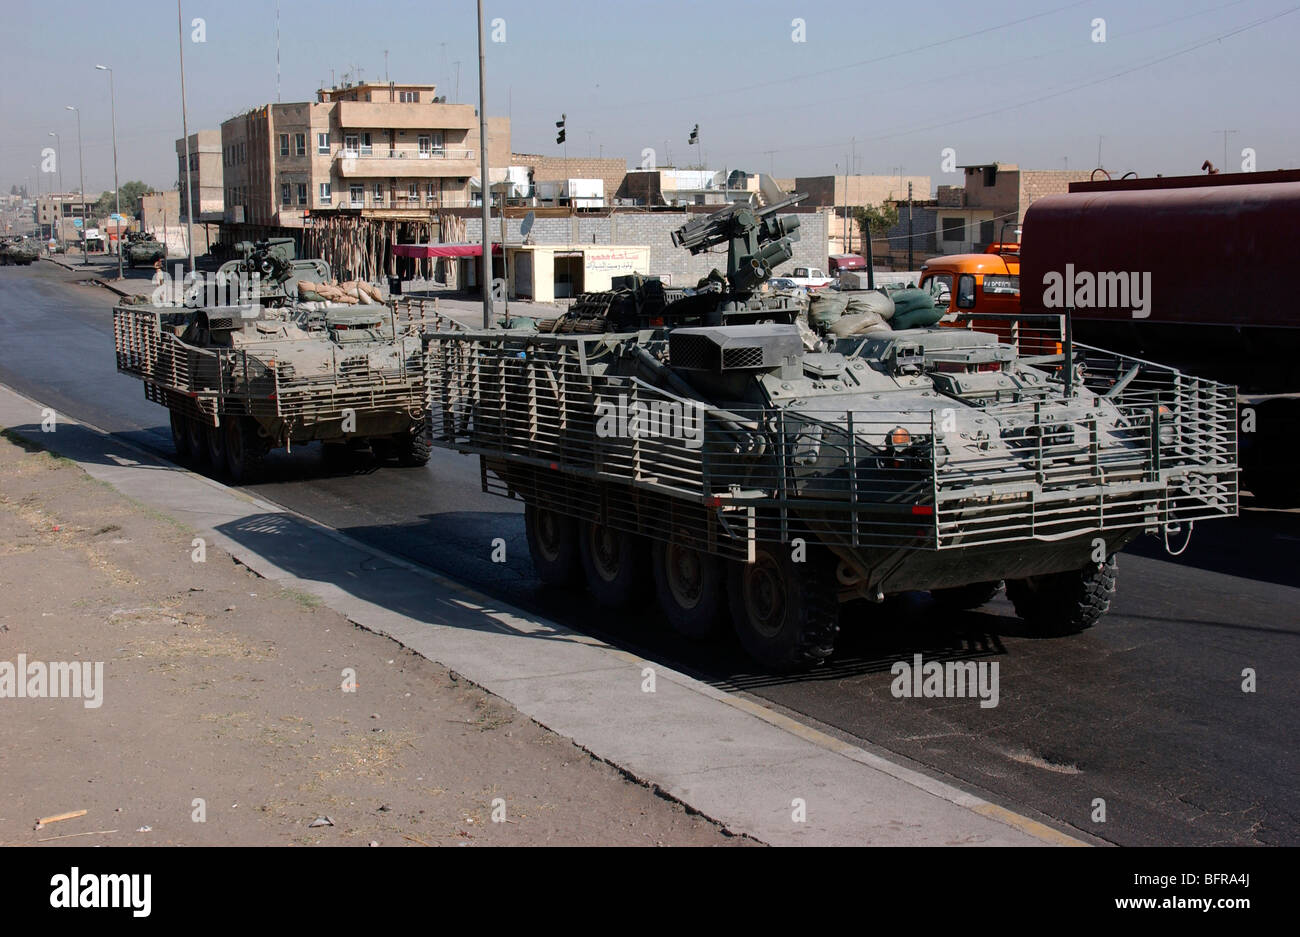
x,y
425,251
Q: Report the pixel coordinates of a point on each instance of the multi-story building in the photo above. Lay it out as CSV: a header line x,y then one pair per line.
x,y
57,214
203,175
382,151
1008,190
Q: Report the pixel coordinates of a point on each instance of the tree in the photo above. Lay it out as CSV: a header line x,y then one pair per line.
x,y
875,221
131,192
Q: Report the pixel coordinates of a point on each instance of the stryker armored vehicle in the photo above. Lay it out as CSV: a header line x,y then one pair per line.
x,y
142,249
267,272
240,380
778,469
19,251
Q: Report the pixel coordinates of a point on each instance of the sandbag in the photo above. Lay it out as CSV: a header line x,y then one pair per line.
x,y
825,308
916,318
870,301
911,300
858,323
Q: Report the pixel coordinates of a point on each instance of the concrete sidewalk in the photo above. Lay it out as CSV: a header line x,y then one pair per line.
x,y
733,760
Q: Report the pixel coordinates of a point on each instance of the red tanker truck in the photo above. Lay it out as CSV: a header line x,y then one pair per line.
x,y
1197,272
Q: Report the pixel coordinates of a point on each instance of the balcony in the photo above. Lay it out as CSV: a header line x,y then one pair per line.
x,y
405,161
391,115
404,202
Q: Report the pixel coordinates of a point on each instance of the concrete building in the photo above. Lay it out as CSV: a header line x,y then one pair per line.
x,y
203,174
855,191
1008,191
557,169
57,215
385,151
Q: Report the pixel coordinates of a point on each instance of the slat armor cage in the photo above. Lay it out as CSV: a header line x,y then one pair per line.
x,y
555,431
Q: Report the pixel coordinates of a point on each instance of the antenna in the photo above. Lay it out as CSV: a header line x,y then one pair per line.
x,y
277,51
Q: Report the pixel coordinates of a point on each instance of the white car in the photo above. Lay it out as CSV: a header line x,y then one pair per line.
x,y
810,278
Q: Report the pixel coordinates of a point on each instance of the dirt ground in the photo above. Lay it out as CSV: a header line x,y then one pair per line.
x,y
224,720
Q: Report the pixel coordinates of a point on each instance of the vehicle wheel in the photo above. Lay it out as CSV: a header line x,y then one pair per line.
x,y
246,449
415,447
1065,603
180,434
216,442
786,614
614,563
691,587
198,439
961,598
553,544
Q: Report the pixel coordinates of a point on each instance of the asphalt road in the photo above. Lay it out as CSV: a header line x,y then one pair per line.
x,y
1145,712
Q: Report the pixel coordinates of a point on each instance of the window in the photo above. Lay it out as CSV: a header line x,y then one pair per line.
x,y
409,97
413,191
940,287
429,191
379,192
356,195
286,194
954,229
425,145
300,144
323,144
365,144
325,196
986,232
284,144
350,144
243,152
302,193
966,291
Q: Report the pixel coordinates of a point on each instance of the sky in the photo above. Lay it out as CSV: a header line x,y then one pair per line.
x,y
792,88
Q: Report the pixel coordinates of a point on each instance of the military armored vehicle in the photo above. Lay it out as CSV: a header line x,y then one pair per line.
x,y
242,379
775,470
19,251
142,249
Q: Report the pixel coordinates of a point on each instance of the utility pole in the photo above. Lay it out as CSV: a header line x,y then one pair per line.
x,y
1224,166
845,241
909,228
1099,139
81,172
117,189
185,132
484,186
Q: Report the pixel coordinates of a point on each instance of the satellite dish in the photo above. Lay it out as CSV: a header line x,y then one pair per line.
x,y
527,226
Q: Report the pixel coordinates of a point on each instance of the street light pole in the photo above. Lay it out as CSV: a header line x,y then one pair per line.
x,y
117,191
81,172
484,186
185,132
58,155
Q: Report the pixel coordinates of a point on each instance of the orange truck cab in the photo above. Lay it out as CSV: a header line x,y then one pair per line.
x,y
970,283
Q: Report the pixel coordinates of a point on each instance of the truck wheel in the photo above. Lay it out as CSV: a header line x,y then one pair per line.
x,y
786,614
246,450
216,444
180,434
691,587
961,598
1065,603
553,544
614,563
415,447
198,440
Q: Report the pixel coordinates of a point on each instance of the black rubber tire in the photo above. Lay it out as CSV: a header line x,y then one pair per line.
x,y
180,435
553,545
963,598
198,437
786,614
691,587
246,450
615,564
215,440
1065,603
414,448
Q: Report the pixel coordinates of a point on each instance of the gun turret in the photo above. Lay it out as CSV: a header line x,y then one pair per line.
x,y
757,240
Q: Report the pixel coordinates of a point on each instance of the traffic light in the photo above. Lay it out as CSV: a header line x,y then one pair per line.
x,y
559,137
695,135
